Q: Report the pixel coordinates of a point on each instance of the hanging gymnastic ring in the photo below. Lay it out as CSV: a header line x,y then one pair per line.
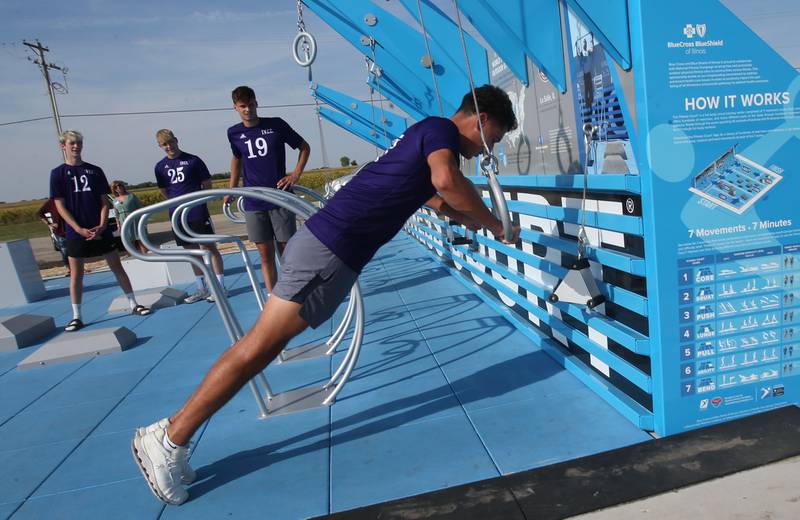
x,y
312,49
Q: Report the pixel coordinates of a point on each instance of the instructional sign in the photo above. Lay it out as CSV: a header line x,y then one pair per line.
x,y
721,123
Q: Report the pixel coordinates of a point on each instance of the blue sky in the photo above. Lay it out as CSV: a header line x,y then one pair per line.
x,y
142,56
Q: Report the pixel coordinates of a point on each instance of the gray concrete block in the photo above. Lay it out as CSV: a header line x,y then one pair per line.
x,y
149,275
19,274
21,330
153,298
71,346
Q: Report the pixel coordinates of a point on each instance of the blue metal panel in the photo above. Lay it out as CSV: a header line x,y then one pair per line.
x,y
399,50
618,260
628,407
536,24
355,127
491,26
627,337
633,374
394,92
444,32
621,223
608,20
393,68
621,297
371,116
605,182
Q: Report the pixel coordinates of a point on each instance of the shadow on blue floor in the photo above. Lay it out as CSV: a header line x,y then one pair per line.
x,y
445,392
393,415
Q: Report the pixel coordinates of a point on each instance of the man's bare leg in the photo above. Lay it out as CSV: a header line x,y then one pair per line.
x,y
216,258
75,280
266,251
281,247
115,264
279,322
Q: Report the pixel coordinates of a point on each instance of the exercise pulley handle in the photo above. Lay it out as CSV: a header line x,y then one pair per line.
x,y
499,206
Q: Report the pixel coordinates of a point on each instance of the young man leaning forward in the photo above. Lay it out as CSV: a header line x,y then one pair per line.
x,y
323,259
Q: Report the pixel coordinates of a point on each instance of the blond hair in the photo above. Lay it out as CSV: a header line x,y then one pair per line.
x,y
73,135
164,135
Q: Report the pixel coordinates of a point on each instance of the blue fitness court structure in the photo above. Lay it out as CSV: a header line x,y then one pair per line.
x,y
446,393
641,336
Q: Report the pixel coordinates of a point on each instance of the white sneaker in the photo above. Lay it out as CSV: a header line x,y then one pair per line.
x,y
196,296
160,467
211,298
188,474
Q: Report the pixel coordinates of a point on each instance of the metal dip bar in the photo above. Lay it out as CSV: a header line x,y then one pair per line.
x,y
269,404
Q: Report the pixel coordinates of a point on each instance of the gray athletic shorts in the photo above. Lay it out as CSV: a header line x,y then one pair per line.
x,y
264,226
314,277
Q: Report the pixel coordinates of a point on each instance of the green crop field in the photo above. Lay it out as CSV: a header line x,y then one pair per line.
x,y
18,220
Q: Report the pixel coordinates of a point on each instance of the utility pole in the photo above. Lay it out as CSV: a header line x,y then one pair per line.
x,y
45,68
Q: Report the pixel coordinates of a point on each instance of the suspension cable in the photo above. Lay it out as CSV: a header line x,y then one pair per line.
x,y
486,150
488,164
430,57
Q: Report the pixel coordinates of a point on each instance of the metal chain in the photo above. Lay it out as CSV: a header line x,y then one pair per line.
x,y
371,104
301,25
377,72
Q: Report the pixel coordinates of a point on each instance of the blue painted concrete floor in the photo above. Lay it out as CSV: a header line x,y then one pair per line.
x,y
445,392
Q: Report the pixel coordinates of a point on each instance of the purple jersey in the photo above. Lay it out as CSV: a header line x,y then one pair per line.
x,y
263,154
370,209
84,189
181,175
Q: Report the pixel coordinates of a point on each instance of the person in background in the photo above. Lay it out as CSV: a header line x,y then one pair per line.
x,y
125,203
80,192
258,145
180,173
49,215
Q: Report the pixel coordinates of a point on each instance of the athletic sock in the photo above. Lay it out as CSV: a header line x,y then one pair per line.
x,y
221,280
76,311
201,283
167,443
131,300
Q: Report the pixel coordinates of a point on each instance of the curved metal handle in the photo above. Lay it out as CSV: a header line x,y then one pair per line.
x,y
499,206
184,232
234,216
311,193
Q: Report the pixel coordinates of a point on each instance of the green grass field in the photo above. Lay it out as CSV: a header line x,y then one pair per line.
x,y
18,220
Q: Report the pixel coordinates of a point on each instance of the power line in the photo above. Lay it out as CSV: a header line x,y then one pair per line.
x,y
26,120
154,112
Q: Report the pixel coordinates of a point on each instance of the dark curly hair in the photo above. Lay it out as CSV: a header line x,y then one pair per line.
x,y
494,102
